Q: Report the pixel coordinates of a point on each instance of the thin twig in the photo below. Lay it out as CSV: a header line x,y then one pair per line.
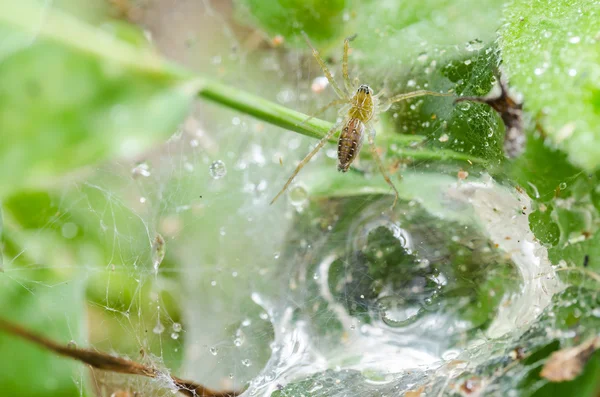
x,y
110,363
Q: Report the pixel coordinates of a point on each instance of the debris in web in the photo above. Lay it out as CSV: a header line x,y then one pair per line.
x,y
566,364
111,363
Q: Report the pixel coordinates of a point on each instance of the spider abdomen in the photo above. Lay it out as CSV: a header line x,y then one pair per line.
x,y
350,142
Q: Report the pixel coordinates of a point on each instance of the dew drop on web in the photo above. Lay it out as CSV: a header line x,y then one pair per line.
x,y
298,195
217,169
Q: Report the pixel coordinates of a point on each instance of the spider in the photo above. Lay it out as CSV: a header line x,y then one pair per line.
x,y
358,112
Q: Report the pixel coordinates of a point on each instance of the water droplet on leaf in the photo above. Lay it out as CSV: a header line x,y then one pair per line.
x,y
474,45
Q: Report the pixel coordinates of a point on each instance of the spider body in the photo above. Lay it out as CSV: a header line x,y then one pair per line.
x,y
359,112
350,143
362,104
351,138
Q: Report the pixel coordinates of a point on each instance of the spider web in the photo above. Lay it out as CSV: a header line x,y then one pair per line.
x,y
189,269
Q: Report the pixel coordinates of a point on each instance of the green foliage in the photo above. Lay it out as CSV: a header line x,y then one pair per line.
x,y
83,106
321,19
551,52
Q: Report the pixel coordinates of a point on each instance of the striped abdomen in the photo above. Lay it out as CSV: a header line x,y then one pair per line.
x,y
350,143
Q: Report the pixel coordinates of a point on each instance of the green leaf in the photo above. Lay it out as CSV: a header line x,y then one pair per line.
x,y
322,20
543,226
73,95
551,52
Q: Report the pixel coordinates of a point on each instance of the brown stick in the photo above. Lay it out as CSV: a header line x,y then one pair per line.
x,y
110,363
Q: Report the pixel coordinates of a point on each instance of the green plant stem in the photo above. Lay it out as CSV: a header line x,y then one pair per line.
x,y
278,115
292,120
31,19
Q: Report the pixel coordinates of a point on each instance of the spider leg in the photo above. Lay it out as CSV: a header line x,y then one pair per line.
x,y
324,68
371,136
408,95
306,159
347,81
323,109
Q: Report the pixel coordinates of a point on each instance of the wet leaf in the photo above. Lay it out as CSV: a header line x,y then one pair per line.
x,y
322,20
551,53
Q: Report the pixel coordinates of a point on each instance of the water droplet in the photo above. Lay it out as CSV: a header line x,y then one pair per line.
x,y
214,351
217,169
230,376
158,328
72,344
411,83
298,195
468,62
246,322
246,362
176,327
174,335
574,40
562,186
465,106
474,45
264,316
213,283
142,169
